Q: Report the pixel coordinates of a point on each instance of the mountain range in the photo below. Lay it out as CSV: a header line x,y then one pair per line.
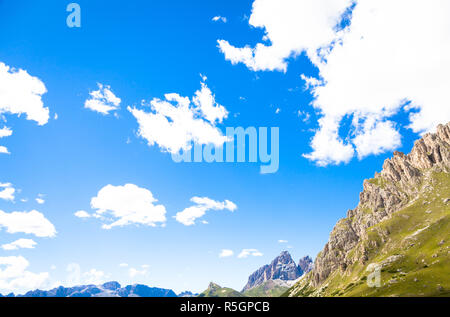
x,y
269,280
109,289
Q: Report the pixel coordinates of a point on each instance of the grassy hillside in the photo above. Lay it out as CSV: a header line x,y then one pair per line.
x,y
269,288
412,248
215,290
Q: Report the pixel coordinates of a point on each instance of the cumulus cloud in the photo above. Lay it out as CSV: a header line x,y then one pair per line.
x,y
225,253
32,222
94,276
174,123
126,205
291,27
133,272
77,277
219,18
368,71
7,191
21,94
5,132
245,253
102,100
19,244
40,199
82,214
283,241
202,204
15,277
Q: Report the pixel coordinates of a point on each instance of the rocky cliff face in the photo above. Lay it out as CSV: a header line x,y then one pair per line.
x,y
306,264
282,267
397,185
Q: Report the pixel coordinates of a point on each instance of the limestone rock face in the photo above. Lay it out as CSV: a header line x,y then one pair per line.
x,y
396,186
306,264
282,267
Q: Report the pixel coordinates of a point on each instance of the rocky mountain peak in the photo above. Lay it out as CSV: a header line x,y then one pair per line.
x,y
306,264
433,149
402,179
282,267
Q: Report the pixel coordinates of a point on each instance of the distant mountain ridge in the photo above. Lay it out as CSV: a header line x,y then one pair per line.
x,y
109,289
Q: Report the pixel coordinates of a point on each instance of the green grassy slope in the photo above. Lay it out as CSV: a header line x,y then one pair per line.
x,y
267,289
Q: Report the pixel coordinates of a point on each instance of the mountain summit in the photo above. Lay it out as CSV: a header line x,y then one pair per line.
x,y
272,278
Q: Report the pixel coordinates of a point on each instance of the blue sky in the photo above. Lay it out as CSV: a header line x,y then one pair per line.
x,y
143,51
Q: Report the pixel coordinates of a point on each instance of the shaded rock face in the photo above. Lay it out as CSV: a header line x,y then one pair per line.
x,y
397,185
306,264
282,267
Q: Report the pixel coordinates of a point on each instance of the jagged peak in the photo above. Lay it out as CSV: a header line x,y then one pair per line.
x,y
430,150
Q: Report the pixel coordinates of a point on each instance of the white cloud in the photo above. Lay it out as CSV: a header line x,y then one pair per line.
x,y
102,100
77,277
291,27
225,253
21,93
219,18
128,204
40,200
19,244
188,216
7,191
368,71
94,276
133,272
32,222
176,122
249,252
15,277
376,137
123,264
5,132
282,241
82,214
